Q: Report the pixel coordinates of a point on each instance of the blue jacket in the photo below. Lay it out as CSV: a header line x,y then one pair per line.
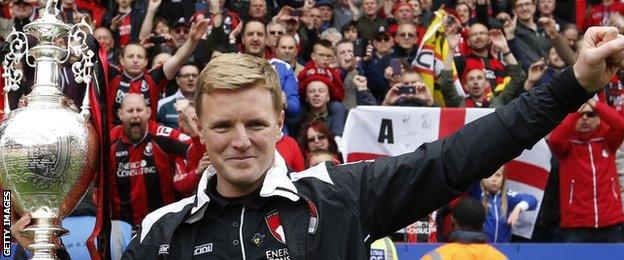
x,y
288,82
495,226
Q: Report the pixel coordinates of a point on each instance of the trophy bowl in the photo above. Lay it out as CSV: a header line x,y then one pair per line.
x,y
48,155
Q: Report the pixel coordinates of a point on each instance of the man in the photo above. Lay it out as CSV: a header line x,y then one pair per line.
x,y
187,83
467,241
180,31
531,38
287,52
124,22
347,63
254,43
370,22
240,117
104,36
134,78
585,144
326,10
257,10
275,30
143,157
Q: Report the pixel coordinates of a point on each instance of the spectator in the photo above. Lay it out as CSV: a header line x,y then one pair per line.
x,y
530,37
322,57
275,30
326,10
332,35
315,136
125,22
411,91
317,106
317,157
257,10
144,152
287,52
370,21
585,144
346,63
350,31
180,32
21,13
104,36
186,81
467,241
503,206
546,9
134,78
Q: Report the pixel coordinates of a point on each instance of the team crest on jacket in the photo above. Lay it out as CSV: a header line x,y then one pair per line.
x,y
149,150
275,226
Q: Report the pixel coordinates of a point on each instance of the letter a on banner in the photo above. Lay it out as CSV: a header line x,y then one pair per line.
x,y
385,132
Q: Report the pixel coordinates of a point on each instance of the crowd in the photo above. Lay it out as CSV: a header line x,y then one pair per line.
x,y
333,55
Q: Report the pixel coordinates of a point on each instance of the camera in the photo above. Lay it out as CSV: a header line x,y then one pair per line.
x,y
407,90
359,47
157,39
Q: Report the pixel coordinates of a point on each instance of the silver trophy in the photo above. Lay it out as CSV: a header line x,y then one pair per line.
x,y
48,150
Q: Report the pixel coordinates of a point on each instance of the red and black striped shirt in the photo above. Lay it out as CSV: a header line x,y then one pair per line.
x,y
143,178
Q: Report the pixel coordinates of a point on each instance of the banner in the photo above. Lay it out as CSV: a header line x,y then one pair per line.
x,y
375,131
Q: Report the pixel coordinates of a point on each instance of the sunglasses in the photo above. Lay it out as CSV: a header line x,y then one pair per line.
x,y
406,35
382,38
276,33
182,30
588,114
317,138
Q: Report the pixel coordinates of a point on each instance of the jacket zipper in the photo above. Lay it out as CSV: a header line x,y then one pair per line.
x,y
593,167
571,192
613,188
495,206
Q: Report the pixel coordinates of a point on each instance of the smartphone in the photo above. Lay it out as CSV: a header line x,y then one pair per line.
x,y
296,13
359,47
407,89
395,64
157,39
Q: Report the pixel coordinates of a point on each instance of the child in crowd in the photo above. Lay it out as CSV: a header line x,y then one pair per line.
x,y
502,206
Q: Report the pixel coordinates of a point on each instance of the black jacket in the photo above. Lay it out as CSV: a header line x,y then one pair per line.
x,y
355,204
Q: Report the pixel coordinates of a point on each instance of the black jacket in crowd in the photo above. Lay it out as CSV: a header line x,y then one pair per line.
x,y
354,204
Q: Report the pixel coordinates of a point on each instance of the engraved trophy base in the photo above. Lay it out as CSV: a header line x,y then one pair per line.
x,y
45,232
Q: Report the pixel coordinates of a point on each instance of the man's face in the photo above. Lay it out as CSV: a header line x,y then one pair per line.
x,y
369,7
134,115
240,129
411,79
479,37
404,14
254,39
589,120
187,79
274,31
326,13
546,7
475,79
315,16
287,49
133,60
180,34
426,4
123,3
162,28
104,37
571,35
463,12
257,8
317,95
525,9
406,36
344,53
322,56
383,44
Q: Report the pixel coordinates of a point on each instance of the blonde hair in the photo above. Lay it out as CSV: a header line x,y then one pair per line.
x,y
503,192
236,71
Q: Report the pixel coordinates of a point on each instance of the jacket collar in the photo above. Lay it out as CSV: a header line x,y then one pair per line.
x,y
276,183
